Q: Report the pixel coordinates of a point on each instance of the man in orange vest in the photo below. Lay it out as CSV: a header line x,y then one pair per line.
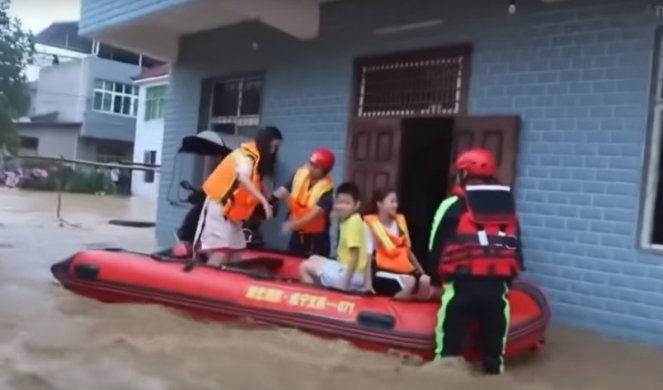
x,y
310,200
475,239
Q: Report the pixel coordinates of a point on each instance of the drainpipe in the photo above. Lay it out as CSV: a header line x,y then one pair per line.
x,y
83,92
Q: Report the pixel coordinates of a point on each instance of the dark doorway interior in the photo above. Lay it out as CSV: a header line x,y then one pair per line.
x,y
657,229
424,171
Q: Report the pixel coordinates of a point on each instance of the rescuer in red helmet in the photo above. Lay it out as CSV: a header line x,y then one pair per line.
x,y
310,200
475,242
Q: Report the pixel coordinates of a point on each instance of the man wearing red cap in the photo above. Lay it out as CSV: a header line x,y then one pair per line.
x,y
475,240
310,200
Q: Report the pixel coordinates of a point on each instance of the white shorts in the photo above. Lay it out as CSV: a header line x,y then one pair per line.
x,y
215,232
397,278
332,275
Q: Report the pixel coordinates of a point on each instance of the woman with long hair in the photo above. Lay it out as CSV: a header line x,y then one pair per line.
x,y
397,272
234,189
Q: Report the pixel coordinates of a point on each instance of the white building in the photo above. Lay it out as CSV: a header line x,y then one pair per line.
x,y
83,101
46,56
152,84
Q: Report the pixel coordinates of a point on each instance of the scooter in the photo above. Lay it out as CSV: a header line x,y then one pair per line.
x,y
208,143
186,233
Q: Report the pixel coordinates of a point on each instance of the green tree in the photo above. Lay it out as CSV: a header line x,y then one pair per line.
x,y
16,52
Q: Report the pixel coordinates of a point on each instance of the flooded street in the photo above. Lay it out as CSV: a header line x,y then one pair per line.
x,y
52,339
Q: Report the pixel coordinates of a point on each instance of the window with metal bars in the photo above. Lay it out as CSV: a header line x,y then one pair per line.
x,y
432,86
235,106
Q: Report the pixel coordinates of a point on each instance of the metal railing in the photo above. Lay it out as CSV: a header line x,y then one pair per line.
x,y
61,164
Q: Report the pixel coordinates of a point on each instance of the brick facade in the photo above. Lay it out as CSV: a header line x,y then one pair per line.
x,y
577,72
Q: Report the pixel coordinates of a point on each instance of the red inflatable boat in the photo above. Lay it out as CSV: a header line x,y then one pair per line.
x,y
265,288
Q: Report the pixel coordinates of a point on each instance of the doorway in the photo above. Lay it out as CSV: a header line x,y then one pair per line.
x,y
403,153
426,146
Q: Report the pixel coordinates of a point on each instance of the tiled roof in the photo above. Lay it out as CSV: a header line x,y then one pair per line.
x,y
157,71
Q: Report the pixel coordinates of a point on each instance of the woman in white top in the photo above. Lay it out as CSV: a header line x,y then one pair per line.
x,y
397,272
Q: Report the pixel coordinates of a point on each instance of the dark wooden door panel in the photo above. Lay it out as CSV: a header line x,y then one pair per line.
x,y
374,147
498,134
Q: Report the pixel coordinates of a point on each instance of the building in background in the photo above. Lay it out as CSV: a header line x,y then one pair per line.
x,y
46,56
152,84
84,102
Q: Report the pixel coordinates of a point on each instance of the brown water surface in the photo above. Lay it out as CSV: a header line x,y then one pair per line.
x,y
53,339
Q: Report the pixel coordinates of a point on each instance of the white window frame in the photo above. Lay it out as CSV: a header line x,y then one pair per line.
x,y
150,157
240,121
653,173
155,106
112,94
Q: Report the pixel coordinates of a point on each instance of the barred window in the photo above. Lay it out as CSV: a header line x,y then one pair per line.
x,y
235,106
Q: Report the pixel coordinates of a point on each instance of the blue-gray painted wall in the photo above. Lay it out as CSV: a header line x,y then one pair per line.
x,y
97,15
577,72
104,125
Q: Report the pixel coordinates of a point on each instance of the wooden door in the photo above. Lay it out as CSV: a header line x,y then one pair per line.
x,y
498,134
374,149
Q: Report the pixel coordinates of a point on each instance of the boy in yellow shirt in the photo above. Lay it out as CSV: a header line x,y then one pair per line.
x,y
350,272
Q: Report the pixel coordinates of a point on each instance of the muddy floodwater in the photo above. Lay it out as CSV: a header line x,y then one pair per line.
x,y
52,339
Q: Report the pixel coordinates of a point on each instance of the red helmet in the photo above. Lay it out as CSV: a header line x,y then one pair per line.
x,y
323,158
477,162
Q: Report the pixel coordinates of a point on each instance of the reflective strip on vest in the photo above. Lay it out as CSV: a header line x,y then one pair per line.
x,y
439,215
304,193
384,236
222,185
402,225
397,254
304,198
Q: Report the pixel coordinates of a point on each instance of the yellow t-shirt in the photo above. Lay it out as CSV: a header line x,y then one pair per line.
x,y
351,235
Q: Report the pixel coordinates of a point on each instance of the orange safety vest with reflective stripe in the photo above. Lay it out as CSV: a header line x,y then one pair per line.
x,y
223,185
392,253
304,198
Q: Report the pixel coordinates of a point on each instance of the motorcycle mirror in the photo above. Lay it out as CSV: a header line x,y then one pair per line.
x,y
186,185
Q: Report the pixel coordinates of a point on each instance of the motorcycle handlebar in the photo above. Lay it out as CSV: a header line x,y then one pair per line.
x,y
186,185
195,196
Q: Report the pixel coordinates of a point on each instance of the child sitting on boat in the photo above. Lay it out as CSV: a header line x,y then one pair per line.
x,y
351,270
397,271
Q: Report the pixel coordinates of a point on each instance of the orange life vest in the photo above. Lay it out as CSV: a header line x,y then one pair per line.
x,y
485,244
392,253
304,197
223,186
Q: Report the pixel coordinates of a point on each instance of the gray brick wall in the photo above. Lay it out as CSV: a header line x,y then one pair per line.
x,y
577,72
181,119
582,84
